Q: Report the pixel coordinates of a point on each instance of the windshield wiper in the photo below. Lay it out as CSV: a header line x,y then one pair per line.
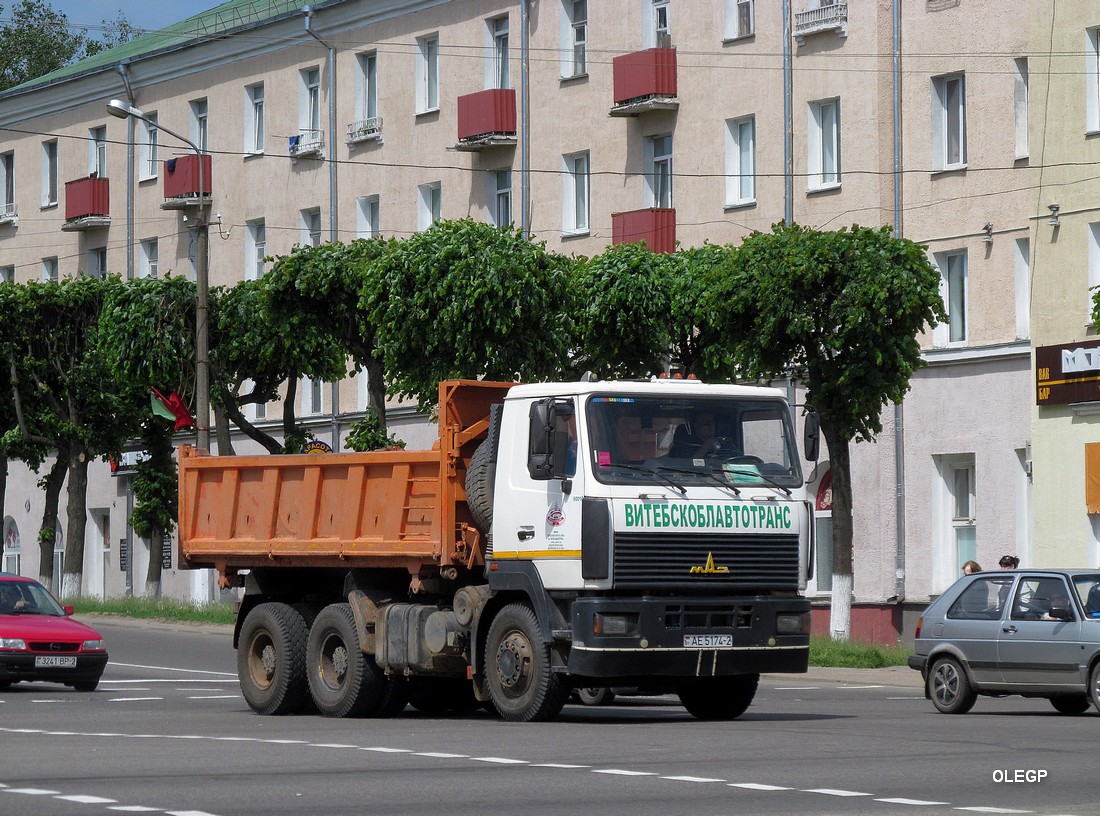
x,y
668,480
767,479
707,474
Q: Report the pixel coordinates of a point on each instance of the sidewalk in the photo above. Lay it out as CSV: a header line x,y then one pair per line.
x,y
900,676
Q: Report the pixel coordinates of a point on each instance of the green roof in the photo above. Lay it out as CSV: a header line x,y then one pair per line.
x,y
231,15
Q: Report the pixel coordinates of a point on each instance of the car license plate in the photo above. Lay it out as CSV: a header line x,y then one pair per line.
x,y
707,641
51,662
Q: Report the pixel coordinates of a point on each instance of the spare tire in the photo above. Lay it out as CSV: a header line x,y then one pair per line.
x,y
481,474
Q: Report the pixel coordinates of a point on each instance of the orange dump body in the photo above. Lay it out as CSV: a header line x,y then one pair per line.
x,y
348,510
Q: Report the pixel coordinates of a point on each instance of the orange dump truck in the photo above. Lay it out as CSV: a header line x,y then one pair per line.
x,y
558,535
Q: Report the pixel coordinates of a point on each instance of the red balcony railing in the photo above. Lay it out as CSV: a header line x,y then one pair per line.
x,y
87,197
655,226
487,113
181,177
644,74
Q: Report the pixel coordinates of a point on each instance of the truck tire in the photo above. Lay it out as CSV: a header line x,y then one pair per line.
x,y
479,486
271,659
594,696
343,681
438,695
718,698
518,672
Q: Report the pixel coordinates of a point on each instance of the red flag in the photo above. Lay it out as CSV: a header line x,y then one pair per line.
x,y
172,407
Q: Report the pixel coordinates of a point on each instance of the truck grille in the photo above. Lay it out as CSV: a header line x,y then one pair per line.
x,y
660,560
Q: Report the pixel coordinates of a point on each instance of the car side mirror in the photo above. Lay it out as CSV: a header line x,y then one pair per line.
x,y
1062,613
69,610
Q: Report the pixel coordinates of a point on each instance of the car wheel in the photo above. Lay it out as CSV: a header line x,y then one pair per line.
x,y
86,685
949,688
1070,703
518,672
718,698
595,696
271,659
1094,685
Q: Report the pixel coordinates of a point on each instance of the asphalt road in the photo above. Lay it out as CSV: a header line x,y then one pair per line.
x,y
168,732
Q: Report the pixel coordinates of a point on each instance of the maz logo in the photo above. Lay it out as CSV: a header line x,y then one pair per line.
x,y
709,568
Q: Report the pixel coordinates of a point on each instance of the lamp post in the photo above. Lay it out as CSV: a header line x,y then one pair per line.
x,y
122,110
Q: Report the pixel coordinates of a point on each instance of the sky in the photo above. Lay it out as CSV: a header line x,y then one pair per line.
x,y
145,14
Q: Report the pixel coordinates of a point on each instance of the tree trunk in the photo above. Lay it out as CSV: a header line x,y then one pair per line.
x,y
840,608
222,431
376,392
47,533
72,582
156,557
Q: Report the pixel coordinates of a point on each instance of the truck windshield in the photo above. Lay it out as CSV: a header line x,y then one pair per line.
x,y
742,441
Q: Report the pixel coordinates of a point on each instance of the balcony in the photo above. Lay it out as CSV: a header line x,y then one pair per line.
x,y
486,119
9,214
832,17
655,226
365,130
645,81
182,182
87,204
308,142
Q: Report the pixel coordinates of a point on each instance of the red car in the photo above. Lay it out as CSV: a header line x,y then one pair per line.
x,y
39,641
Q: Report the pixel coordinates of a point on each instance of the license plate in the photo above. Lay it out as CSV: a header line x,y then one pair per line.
x,y
51,662
707,641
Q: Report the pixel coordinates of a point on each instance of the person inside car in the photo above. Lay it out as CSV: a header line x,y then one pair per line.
x,y
1058,608
10,600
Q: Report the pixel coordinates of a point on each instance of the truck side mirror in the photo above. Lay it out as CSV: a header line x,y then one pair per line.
x,y
811,436
549,439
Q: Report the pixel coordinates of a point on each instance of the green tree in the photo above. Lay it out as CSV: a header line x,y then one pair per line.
x,y
639,310
839,311
464,299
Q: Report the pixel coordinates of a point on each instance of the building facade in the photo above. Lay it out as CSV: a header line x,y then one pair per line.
x,y
668,121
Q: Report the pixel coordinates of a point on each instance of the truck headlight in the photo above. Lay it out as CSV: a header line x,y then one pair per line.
x,y
620,625
792,623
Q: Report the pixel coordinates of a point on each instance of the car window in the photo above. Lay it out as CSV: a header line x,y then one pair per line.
x,y
1088,591
1035,597
982,600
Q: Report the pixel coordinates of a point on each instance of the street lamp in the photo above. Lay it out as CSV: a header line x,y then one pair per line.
x,y
116,107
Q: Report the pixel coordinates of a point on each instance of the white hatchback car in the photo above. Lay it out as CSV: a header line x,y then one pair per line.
x,y
1034,633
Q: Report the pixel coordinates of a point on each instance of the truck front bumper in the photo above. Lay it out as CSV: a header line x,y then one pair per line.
x,y
688,636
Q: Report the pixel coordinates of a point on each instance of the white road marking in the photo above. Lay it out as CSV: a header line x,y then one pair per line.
x,y
691,779
440,755
188,813
859,688
381,750
137,809
797,688
758,786
834,792
32,791
904,801
214,697
86,800
992,810
331,745
621,772
558,765
169,668
501,760
162,681
133,699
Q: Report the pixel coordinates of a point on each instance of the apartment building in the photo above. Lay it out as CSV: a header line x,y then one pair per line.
x,y
1065,217
668,121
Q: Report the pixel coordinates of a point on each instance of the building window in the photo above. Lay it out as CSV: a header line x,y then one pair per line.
x,y
948,122
659,28
311,100
97,152
1020,107
366,103
11,547
1023,288
149,259
255,250
823,144
148,148
254,118
311,227
740,161
953,290
7,274
313,395
430,204
367,214
97,262
49,270
497,69
574,38
427,74
659,176
575,196
740,18
500,192
7,184
963,528
49,173
1093,269
200,124
1092,80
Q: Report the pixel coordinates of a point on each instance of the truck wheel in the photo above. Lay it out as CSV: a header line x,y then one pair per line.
x,y
393,696
479,486
518,672
949,688
343,681
271,659
718,698
595,696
